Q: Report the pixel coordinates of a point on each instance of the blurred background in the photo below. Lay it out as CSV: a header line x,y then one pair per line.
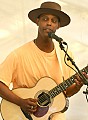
x,y
16,29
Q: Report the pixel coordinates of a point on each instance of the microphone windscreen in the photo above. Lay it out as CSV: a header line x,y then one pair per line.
x,y
50,35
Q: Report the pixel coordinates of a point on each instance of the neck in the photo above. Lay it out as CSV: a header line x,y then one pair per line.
x,y
44,44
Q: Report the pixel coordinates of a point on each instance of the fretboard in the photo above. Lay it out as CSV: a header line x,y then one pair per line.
x,y
64,85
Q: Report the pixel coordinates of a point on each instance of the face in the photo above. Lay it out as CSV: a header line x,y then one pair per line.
x,y
47,23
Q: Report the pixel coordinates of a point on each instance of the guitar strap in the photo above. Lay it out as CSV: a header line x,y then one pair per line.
x,y
58,53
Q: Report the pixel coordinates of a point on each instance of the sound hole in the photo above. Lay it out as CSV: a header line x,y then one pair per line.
x,y
44,99
44,102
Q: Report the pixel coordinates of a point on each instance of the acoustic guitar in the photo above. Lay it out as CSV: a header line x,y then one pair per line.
x,y
51,99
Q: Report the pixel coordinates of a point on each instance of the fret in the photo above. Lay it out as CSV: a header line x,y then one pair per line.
x,y
72,79
68,82
64,85
55,91
51,94
59,89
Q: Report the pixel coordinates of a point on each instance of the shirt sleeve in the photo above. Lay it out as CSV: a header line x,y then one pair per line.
x,y
7,69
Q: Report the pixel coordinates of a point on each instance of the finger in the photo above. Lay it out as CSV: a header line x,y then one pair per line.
x,y
78,84
32,102
78,77
32,109
86,75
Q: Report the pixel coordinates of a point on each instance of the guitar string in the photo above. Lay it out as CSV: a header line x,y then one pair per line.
x,y
61,86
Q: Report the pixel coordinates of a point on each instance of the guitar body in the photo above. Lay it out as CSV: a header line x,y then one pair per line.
x,y
10,111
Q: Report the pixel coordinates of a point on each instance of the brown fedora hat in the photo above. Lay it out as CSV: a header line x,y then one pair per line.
x,y
50,8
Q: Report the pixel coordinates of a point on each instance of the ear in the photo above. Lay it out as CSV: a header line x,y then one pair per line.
x,y
37,21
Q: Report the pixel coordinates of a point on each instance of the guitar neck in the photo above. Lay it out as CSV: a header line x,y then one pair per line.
x,y
64,85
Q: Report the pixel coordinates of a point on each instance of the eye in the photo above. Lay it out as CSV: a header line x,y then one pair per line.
x,y
44,18
54,20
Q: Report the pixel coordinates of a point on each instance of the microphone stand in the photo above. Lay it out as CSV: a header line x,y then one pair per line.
x,y
85,80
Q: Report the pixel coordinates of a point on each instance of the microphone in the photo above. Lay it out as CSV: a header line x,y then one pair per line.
x,y
85,92
58,39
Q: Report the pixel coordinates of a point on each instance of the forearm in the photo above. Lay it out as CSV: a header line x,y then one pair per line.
x,y
73,89
7,94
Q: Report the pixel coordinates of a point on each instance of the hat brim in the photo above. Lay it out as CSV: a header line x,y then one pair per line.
x,y
64,18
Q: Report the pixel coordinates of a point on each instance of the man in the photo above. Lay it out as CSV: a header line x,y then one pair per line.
x,y
25,66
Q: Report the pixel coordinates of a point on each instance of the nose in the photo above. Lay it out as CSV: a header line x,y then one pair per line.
x,y
49,22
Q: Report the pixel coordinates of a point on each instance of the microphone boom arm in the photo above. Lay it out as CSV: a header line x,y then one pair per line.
x,y
61,42
85,81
